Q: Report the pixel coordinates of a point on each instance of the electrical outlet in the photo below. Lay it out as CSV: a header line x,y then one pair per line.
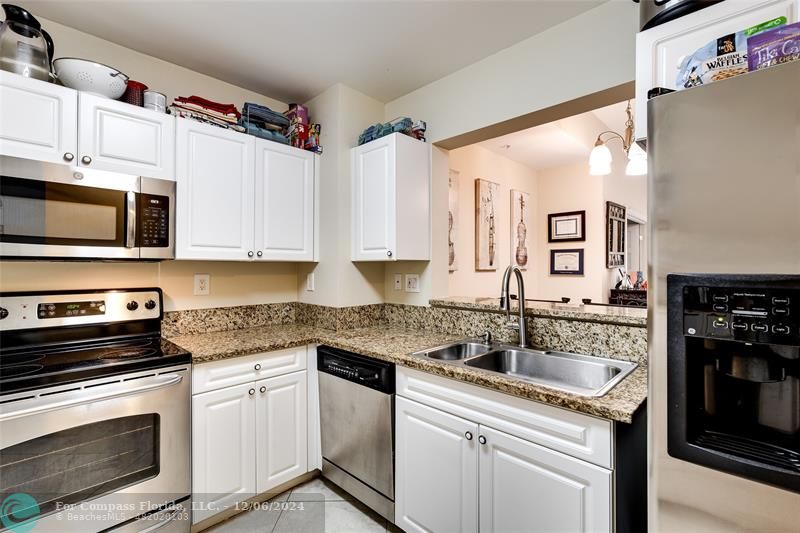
x,y
202,284
310,281
412,282
398,282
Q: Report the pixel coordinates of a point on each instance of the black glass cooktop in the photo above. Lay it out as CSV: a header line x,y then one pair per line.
x,y
44,366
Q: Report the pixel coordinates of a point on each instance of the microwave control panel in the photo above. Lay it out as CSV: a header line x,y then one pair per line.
x,y
153,221
770,316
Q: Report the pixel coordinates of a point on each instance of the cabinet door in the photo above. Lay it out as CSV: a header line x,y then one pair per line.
x,y
125,138
223,448
39,119
216,182
285,201
659,50
527,487
374,201
436,470
281,430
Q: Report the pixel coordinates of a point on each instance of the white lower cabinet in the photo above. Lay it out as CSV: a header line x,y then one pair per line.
x,y
281,432
527,487
247,438
457,474
436,470
223,449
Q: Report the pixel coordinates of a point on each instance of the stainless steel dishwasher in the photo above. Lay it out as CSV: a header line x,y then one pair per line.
x,y
356,396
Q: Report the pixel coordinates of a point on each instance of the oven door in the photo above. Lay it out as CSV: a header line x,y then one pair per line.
x,y
96,454
50,210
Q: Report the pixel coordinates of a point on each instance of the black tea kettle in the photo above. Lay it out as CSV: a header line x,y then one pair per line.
x,y
25,48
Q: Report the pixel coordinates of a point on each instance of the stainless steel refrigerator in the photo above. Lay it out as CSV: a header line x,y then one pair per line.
x,y
724,305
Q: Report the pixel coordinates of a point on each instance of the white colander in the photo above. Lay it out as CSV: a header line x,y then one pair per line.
x,y
91,77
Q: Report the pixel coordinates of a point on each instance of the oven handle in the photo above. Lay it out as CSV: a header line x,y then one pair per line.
x,y
158,382
130,237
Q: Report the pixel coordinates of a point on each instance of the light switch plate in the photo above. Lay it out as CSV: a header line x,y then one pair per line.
x,y
202,284
412,282
398,282
310,281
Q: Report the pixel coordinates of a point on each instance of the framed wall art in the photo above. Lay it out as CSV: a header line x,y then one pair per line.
x,y
566,227
485,225
566,262
520,222
452,217
616,228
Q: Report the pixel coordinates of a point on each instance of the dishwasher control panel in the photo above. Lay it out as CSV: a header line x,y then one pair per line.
x,y
366,371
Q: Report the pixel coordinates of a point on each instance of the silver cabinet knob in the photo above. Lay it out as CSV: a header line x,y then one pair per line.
x,y
250,253
258,366
468,435
481,439
259,253
389,253
251,392
68,156
86,160
263,390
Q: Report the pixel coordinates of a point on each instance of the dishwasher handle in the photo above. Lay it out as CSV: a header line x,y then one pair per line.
x,y
359,369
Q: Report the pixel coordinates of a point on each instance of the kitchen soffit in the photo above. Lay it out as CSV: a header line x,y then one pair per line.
x,y
294,50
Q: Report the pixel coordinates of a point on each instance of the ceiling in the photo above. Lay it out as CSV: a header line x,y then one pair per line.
x,y
293,50
562,142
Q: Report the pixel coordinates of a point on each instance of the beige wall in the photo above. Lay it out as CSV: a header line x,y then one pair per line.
x,y
339,282
473,162
167,78
571,188
231,283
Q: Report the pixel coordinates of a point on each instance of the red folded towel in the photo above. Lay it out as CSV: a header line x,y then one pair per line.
x,y
225,109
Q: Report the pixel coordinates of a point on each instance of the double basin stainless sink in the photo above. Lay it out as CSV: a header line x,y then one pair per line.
x,y
578,374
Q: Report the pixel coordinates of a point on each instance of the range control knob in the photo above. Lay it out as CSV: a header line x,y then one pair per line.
x,y
150,304
133,305
3,313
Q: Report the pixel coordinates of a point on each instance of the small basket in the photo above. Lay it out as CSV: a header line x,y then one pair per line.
x,y
134,94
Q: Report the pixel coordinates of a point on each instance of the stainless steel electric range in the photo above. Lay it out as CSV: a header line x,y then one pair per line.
x,y
94,413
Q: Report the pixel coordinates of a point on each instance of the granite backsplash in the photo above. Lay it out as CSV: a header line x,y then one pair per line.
x,y
614,340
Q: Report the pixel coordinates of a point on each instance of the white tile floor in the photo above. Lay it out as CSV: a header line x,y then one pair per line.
x,y
313,507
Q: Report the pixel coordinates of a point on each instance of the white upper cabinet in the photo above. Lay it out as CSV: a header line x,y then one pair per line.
x,y
120,137
38,120
46,122
215,204
285,202
660,50
391,200
527,487
240,198
436,454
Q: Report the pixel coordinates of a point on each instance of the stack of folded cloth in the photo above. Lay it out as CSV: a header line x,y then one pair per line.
x,y
194,107
263,122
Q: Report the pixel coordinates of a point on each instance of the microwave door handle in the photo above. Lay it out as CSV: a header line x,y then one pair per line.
x,y
130,216
151,384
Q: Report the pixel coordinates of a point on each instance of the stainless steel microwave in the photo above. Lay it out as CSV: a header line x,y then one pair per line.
x,y
65,212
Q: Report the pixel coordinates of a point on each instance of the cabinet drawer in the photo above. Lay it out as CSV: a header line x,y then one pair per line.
x,y
236,370
575,434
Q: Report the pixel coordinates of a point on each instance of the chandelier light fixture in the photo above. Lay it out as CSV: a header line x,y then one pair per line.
x,y
600,159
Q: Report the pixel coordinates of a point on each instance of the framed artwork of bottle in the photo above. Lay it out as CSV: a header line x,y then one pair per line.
x,y
486,224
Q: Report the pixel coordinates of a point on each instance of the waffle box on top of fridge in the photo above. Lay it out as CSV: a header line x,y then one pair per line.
x,y
722,58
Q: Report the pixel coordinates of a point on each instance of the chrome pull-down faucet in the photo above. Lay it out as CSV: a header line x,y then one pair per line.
x,y
505,303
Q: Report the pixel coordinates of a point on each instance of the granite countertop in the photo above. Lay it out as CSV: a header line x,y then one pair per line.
x,y
395,345
625,316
